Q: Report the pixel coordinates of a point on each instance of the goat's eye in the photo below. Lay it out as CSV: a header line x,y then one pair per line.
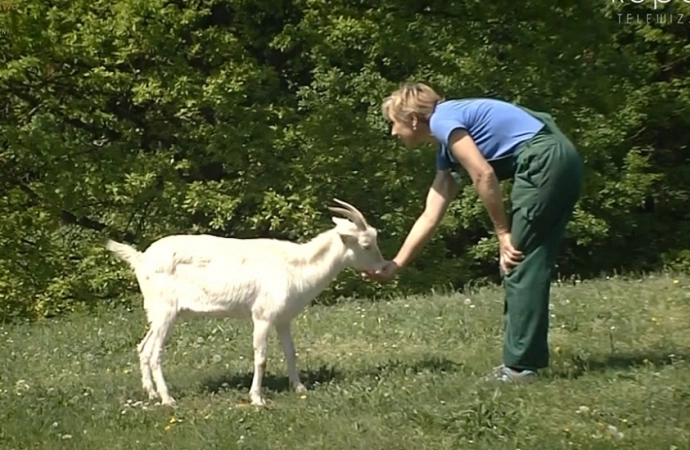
x,y
366,246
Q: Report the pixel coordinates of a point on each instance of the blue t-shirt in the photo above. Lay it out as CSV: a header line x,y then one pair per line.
x,y
496,126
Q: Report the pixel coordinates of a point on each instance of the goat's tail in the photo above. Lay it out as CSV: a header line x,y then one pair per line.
x,y
125,252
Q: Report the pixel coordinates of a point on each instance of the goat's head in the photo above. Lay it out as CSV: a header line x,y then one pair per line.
x,y
359,237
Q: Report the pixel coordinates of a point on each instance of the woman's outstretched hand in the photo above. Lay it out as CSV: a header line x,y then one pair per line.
x,y
386,273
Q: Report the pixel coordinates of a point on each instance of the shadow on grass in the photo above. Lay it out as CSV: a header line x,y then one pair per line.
x,y
428,364
271,382
578,366
327,374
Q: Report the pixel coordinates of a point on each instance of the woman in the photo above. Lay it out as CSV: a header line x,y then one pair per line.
x,y
490,141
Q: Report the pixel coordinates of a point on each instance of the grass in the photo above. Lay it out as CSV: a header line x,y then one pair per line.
x,y
392,375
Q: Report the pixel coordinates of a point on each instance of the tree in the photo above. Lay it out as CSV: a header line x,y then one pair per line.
x,y
135,119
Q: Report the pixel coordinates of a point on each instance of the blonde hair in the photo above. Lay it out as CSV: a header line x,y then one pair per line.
x,y
411,99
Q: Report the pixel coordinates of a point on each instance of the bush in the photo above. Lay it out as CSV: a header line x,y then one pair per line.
x,y
140,118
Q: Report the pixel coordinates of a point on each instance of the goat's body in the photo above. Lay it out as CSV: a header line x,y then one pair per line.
x,y
267,281
226,277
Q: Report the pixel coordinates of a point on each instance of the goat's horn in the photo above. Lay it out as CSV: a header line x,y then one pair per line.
x,y
353,209
351,213
346,213
345,204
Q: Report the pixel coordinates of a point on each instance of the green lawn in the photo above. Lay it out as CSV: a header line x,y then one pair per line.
x,y
390,375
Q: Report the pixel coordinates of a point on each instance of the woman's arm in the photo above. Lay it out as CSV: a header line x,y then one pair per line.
x,y
442,191
485,181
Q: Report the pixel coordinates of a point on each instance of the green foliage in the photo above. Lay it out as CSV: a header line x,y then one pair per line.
x,y
136,119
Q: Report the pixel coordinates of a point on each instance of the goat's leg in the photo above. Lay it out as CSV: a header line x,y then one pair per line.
x,y
260,335
285,337
144,350
159,338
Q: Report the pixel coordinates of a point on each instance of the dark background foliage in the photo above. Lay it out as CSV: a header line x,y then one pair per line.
x,y
135,119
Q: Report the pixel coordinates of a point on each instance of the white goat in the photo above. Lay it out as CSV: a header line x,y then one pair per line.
x,y
270,281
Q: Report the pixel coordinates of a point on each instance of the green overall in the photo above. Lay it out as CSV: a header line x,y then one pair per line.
x,y
547,174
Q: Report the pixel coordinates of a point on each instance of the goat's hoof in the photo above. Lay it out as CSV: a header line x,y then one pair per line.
x,y
169,401
152,395
300,389
258,401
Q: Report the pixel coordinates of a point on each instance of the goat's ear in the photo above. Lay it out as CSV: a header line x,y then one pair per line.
x,y
347,230
343,224
348,238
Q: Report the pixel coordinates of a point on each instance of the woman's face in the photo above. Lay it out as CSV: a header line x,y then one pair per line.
x,y
411,134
